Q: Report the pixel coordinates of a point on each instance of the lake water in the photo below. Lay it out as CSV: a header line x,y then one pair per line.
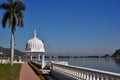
x,y
106,64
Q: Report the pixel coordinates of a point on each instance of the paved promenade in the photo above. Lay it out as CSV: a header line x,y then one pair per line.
x,y
27,73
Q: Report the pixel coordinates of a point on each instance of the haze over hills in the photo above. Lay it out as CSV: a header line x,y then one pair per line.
x,y
87,52
6,51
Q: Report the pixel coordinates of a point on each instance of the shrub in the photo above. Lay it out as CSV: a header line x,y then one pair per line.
x,y
37,71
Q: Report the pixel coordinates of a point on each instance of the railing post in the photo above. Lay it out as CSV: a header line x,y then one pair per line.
x,y
98,77
94,76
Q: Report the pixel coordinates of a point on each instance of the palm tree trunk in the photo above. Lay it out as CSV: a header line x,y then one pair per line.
x,y
12,47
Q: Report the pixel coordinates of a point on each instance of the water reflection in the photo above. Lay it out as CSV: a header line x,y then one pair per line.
x,y
117,61
106,64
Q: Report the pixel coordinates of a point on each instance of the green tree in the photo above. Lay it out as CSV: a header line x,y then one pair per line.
x,y
12,17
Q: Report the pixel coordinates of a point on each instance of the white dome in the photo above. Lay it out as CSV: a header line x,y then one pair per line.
x,y
34,45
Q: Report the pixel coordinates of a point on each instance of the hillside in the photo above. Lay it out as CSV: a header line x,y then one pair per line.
x,y
6,52
117,53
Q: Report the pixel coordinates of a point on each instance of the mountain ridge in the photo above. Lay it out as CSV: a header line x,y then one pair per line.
x,y
6,51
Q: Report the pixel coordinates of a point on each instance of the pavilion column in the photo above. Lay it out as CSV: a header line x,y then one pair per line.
x,y
38,57
25,57
31,57
43,60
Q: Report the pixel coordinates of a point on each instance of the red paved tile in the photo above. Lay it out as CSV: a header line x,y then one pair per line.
x,y
27,73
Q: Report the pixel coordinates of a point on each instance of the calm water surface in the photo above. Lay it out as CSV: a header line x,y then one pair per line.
x,y
106,64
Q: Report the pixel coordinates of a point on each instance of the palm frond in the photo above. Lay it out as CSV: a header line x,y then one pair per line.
x,y
9,22
14,22
0,5
5,6
19,5
5,18
15,8
22,23
20,19
10,1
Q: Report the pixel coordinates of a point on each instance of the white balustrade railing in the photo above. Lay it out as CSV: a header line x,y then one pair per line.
x,y
81,73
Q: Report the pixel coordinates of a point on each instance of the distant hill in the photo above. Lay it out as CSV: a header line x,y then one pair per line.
x,y
117,53
6,52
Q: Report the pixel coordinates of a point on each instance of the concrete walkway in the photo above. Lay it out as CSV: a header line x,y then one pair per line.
x,y
27,73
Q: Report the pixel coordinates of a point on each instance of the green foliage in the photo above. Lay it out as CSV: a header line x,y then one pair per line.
x,y
13,15
8,72
38,71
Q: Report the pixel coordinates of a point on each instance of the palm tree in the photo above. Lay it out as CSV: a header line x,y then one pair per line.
x,y
13,17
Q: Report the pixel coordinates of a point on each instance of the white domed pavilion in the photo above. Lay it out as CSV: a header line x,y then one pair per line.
x,y
34,47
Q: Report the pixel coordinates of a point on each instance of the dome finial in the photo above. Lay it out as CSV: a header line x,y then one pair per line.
x,y
34,33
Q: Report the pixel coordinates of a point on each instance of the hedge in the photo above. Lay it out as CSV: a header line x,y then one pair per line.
x,y
37,71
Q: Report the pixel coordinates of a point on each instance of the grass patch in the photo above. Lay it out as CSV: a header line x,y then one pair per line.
x,y
8,72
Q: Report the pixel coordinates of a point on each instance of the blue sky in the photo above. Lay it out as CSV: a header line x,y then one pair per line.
x,y
69,26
